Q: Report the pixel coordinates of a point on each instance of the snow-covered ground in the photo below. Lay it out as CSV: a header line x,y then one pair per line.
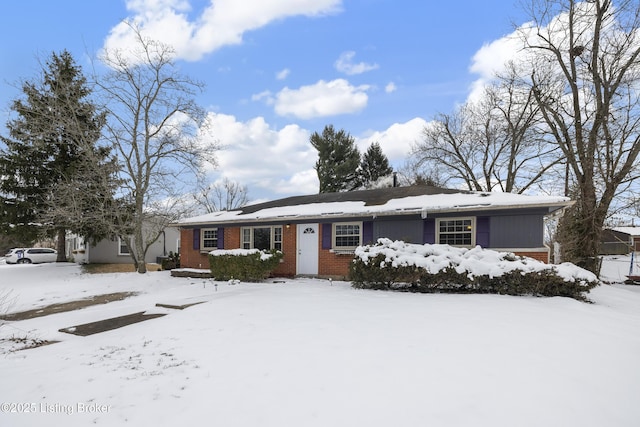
x,y
310,353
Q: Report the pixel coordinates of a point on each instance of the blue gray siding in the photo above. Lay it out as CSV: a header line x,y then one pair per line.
x,y
106,250
483,231
429,231
367,233
516,231
410,231
327,230
502,231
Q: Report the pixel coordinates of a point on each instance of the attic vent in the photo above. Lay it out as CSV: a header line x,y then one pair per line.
x,y
309,231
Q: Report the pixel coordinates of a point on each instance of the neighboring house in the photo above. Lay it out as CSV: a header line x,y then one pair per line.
x,y
319,233
115,251
620,240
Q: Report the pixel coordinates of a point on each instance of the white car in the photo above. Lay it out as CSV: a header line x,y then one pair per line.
x,y
31,255
12,251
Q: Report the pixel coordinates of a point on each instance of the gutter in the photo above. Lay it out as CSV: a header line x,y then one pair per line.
x,y
424,212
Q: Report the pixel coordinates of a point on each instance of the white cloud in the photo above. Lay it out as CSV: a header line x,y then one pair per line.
x,y
265,96
390,87
283,74
345,64
395,141
491,59
221,23
303,182
278,163
322,99
264,159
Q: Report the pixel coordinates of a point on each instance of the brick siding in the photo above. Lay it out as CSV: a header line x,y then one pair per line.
x,y
231,237
329,264
189,257
287,267
193,258
540,256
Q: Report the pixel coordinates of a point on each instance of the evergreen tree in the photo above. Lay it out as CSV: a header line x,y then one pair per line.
x,y
374,165
51,150
338,160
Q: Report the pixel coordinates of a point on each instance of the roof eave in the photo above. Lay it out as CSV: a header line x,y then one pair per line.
x,y
424,212
554,206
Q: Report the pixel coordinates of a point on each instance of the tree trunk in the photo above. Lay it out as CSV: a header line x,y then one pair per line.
x,y
581,230
140,249
61,245
135,260
588,247
142,267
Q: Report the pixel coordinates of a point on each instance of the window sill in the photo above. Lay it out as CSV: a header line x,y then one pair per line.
x,y
343,251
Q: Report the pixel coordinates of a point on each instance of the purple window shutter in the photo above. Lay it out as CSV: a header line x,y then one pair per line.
x,y
220,238
196,238
326,235
429,231
482,231
367,233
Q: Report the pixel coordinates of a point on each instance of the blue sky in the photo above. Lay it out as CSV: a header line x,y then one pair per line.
x,y
278,70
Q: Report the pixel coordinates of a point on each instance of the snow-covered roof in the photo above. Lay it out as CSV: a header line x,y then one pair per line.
x,y
422,200
630,230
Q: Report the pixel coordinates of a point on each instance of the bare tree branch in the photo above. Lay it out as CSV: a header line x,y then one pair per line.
x,y
155,124
493,143
225,196
585,77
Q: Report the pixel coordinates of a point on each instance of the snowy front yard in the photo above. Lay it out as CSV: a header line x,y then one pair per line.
x,y
305,353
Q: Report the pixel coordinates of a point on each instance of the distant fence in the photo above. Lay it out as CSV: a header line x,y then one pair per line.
x,y
614,248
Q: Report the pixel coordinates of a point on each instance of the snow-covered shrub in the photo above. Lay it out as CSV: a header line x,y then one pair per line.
x,y
443,268
249,265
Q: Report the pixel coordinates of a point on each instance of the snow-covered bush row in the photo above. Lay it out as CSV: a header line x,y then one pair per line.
x,y
249,265
264,255
442,268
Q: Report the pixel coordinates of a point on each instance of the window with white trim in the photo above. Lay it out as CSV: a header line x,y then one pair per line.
x,y
456,231
263,238
209,239
347,235
123,249
277,238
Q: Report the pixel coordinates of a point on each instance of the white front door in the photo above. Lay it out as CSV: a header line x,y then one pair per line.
x,y
308,241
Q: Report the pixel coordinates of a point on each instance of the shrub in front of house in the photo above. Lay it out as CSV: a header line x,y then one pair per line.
x,y
171,261
396,265
248,265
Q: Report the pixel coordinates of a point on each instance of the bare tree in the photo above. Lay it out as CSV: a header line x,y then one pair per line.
x,y
224,196
414,172
490,144
449,148
585,61
154,124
